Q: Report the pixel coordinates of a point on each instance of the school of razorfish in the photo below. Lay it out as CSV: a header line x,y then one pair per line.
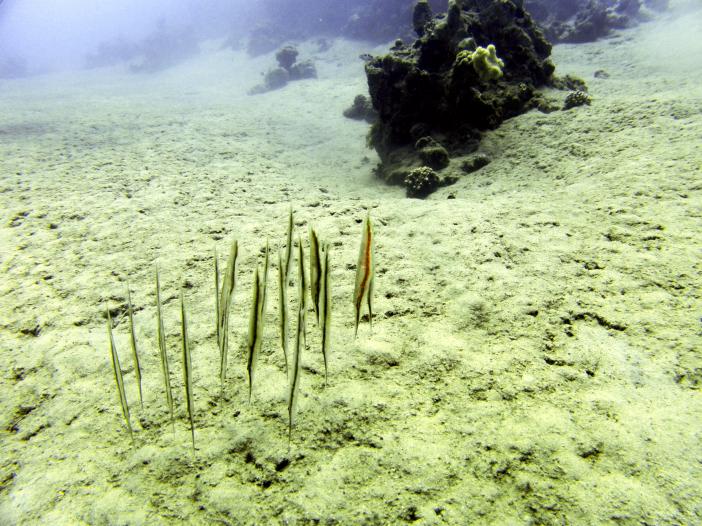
x,y
319,287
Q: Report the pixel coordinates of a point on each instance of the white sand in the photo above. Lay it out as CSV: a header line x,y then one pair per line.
x,y
535,355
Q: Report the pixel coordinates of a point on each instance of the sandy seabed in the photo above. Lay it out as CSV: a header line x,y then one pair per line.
x,y
535,356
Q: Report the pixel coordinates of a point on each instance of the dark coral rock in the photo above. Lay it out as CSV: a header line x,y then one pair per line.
x,y
288,70
303,70
451,82
421,182
475,163
547,104
286,57
576,98
589,25
274,79
628,8
569,82
397,176
361,109
600,74
421,16
431,153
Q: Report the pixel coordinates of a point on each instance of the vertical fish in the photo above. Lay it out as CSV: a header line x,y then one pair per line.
x,y
264,284
325,308
295,373
135,353
283,309
218,315
162,351
363,290
315,272
256,320
302,288
254,344
288,246
299,344
224,302
118,377
187,366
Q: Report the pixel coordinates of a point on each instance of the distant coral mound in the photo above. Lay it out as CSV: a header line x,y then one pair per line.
x,y
162,49
372,20
578,21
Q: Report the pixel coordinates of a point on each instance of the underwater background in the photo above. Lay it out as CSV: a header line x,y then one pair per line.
x,y
535,349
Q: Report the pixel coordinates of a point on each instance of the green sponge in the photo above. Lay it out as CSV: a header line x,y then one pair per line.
x,y
486,63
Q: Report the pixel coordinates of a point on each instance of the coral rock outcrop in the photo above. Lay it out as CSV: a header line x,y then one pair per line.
x,y
469,69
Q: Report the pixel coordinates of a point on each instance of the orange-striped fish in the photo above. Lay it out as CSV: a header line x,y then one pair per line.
x,y
364,273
